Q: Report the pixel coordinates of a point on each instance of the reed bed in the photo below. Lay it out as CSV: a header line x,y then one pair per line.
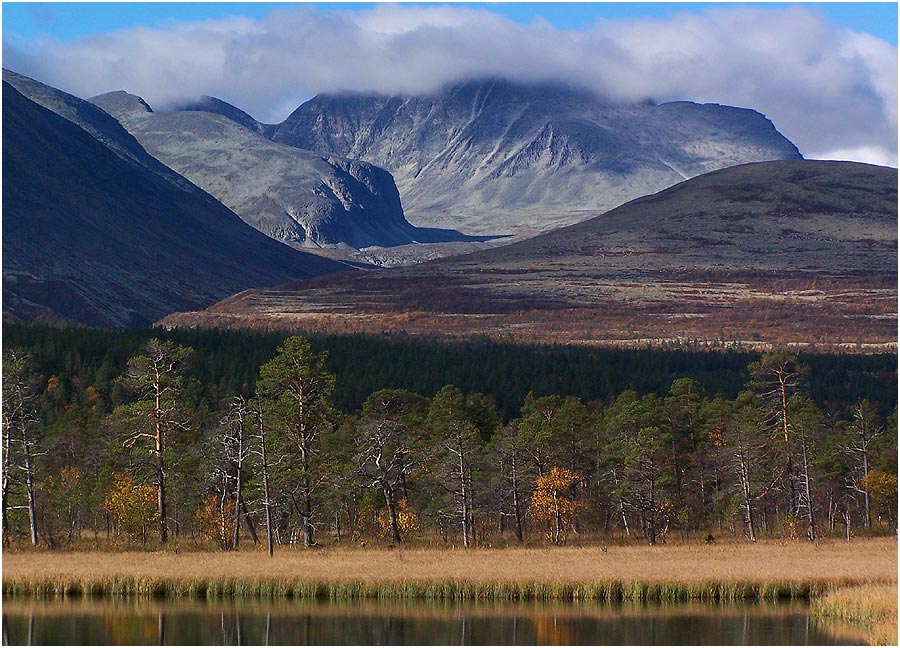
x,y
609,592
764,572
870,608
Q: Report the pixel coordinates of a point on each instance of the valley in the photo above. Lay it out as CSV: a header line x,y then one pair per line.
x,y
473,324
791,252
298,197
782,251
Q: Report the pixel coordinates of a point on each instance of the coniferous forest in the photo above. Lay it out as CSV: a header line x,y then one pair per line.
x,y
229,437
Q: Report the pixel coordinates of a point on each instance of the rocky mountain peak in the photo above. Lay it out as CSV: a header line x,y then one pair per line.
x,y
97,231
98,123
217,106
494,156
121,104
304,199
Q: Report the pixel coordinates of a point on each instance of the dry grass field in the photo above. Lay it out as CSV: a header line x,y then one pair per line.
x,y
824,564
853,585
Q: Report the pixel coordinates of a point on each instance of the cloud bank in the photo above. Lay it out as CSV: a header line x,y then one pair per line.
x,y
832,91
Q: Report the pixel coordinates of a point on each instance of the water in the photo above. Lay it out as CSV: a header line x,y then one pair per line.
x,y
143,621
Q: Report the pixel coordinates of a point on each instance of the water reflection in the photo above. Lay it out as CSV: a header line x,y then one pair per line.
x,y
149,622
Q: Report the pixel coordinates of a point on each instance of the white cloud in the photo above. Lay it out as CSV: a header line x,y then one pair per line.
x,y
827,89
869,154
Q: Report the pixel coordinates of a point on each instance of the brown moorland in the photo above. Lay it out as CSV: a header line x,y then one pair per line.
x,y
791,252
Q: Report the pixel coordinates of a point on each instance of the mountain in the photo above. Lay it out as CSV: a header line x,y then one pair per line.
x,y
97,231
797,251
301,198
495,156
218,107
94,121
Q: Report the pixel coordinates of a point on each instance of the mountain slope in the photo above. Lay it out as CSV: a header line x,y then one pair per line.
x,y
95,122
218,107
781,216
294,196
792,251
496,156
96,231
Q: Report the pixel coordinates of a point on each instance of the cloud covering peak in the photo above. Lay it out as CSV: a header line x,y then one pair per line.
x,y
832,91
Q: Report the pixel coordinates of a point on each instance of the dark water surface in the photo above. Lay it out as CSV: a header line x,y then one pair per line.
x,y
143,621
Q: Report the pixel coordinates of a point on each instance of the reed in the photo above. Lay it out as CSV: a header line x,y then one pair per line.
x,y
761,572
216,589
870,608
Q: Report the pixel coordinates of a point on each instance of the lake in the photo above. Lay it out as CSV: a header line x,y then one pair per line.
x,y
408,622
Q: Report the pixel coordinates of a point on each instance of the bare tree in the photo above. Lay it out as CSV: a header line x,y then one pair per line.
x,y
232,449
384,446
381,461
259,447
508,454
20,427
865,428
807,421
236,450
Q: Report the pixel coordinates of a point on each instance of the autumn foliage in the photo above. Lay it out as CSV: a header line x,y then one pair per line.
x,y
549,505
281,460
133,505
216,521
882,489
407,520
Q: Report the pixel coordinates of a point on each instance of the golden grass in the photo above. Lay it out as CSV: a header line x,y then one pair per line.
x,y
766,570
871,609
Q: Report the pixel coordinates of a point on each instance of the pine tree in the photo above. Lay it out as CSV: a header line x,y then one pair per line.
x,y
297,390
155,375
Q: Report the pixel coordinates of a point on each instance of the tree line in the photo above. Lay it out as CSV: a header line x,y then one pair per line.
x,y
278,463
226,362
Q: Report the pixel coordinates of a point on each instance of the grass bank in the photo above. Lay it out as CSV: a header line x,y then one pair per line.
x,y
764,571
871,609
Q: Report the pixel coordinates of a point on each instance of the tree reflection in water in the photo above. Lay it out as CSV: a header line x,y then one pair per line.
x,y
407,622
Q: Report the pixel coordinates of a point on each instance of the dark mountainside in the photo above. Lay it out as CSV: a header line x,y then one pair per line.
x,y
301,198
96,231
494,156
777,252
781,216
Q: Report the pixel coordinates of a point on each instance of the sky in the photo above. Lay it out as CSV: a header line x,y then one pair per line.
x,y
824,73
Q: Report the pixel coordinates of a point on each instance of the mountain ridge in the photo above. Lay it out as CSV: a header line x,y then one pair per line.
x,y
97,231
477,154
217,106
304,199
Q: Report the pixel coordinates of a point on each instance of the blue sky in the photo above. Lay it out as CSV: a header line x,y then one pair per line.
x,y
69,21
